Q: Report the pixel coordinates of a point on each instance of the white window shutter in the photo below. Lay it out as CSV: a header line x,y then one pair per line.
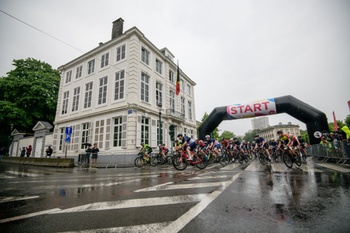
x,y
124,120
138,131
154,134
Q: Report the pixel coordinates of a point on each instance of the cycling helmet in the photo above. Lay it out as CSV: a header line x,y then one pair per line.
x,y
179,135
142,143
279,131
207,136
234,138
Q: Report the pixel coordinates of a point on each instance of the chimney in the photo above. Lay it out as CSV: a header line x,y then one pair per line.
x,y
117,29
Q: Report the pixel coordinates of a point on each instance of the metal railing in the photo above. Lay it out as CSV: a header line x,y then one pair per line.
x,y
338,152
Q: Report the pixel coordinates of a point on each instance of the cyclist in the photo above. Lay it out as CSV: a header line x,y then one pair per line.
x,y
200,147
302,144
188,144
273,145
237,145
286,140
261,143
163,150
213,145
146,149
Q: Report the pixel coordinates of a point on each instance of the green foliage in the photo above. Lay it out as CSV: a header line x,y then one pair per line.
x,y
250,136
347,120
227,134
27,94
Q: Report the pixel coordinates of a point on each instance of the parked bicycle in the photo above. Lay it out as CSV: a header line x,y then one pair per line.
x,y
141,160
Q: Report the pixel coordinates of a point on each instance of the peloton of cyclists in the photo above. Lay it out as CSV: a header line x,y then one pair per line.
x,y
163,150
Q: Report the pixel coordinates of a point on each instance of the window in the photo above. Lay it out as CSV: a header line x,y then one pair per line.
x,y
121,53
61,138
145,55
159,94
85,134
144,87
117,137
75,105
159,66
182,85
88,95
79,72
172,101
102,91
145,130
119,85
65,102
183,106
190,110
171,76
104,60
189,89
99,132
91,66
69,76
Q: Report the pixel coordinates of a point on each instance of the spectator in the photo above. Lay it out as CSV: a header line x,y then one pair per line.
x,y
87,156
49,152
29,150
23,151
94,152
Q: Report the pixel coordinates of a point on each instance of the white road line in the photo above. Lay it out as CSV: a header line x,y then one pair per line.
x,y
9,199
181,186
105,184
22,173
134,203
208,177
29,215
154,227
182,221
157,186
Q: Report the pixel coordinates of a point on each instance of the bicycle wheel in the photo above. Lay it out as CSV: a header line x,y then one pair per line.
x,y
179,163
287,159
169,159
203,163
261,157
139,162
245,158
222,159
153,161
297,159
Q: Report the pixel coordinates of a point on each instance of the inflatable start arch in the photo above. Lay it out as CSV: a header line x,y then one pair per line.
x,y
314,119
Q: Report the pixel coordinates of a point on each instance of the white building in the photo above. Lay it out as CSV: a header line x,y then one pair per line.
x,y
271,131
260,123
114,96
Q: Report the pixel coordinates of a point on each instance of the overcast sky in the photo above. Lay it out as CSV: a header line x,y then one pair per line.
x,y
236,51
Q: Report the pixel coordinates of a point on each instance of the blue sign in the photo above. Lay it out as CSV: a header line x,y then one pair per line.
x,y
69,130
67,137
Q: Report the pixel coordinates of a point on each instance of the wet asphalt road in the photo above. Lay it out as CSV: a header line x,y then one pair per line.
x,y
236,198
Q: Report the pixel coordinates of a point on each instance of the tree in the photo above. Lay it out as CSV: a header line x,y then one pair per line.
x,y
250,136
215,133
227,134
27,94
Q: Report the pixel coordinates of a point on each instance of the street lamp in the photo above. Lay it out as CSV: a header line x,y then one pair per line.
x,y
160,123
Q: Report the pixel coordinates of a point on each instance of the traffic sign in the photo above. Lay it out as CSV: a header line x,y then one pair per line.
x,y
67,137
69,130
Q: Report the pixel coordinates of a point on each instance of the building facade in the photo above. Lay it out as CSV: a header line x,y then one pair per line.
x,y
260,123
271,131
120,94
